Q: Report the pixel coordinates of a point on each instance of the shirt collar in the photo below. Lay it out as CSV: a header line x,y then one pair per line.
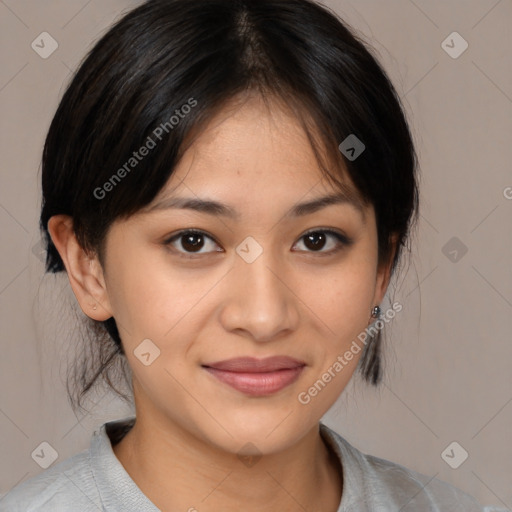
x,y
355,495
117,490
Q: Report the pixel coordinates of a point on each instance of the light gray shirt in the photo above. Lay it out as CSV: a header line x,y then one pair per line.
x,y
95,480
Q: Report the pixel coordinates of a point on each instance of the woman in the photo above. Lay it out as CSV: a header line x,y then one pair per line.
x,y
229,186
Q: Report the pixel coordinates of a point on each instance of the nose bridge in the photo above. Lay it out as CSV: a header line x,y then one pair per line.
x,y
260,303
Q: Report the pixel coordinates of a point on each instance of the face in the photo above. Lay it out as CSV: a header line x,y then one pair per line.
x,y
255,279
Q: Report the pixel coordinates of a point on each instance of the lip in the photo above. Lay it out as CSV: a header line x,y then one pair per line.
x,y
257,377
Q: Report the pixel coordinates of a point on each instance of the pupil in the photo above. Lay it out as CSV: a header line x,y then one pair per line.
x,y
189,240
315,240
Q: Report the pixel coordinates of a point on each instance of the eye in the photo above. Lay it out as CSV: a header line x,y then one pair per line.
x,y
318,239
191,242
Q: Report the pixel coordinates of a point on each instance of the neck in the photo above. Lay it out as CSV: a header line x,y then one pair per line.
x,y
178,471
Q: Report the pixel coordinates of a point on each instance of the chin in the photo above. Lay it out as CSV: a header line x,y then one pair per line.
x,y
262,435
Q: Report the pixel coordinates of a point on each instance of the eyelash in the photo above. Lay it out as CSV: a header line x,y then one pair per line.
x,y
343,240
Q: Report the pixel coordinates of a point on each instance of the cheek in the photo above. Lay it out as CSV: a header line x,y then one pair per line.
x,y
152,298
342,298
136,287
343,304
348,307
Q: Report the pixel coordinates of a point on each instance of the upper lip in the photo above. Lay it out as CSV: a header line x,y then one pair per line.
x,y
253,365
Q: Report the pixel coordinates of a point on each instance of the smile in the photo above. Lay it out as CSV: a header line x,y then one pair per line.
x,y
257,377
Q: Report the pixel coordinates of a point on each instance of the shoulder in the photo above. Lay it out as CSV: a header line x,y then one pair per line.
x,y
416,491
69,485
385,485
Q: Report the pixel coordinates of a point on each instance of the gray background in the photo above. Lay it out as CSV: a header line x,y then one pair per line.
x,y
448,353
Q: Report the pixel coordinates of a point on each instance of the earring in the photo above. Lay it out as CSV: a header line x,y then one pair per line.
x,y
375,312
94,307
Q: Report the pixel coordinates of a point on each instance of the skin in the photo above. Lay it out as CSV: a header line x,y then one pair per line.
x,y
292,300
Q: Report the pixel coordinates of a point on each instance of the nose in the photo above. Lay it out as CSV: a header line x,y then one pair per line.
x,y
261,303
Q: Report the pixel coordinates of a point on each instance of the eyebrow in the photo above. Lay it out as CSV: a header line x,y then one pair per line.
x,y
212,207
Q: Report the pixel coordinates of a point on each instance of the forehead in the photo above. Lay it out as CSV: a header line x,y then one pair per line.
x,y
253,151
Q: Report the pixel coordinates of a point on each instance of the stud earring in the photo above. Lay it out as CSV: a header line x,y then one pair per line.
x,y
375,312
94,307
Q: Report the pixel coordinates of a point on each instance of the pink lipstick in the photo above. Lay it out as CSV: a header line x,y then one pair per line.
x,y
257,377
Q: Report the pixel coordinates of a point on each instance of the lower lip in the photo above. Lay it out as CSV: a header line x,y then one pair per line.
x,y
258,384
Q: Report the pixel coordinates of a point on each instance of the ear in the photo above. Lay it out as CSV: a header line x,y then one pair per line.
x,y
84,271
384,273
